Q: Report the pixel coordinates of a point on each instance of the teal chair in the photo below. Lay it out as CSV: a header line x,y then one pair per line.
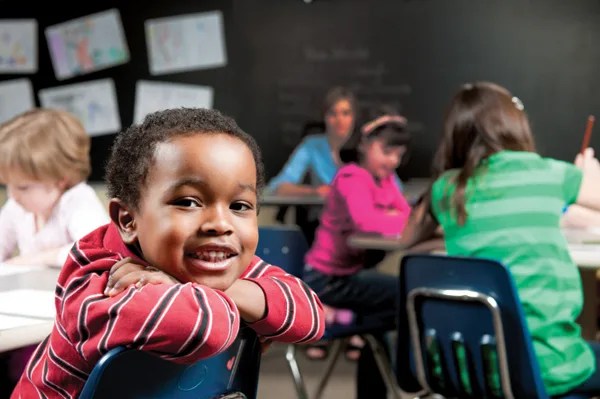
x,y
465,334
136,374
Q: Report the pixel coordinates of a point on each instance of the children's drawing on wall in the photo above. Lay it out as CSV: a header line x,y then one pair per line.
x,y
16,96
155,96
87,44
18,46
93,102
187,42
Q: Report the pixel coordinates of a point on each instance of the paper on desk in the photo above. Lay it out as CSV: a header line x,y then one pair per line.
x,y
28,303
8,322
8,269
585,247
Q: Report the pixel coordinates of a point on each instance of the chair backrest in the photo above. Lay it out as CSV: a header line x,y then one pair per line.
x,y
136,374
457,317
283,246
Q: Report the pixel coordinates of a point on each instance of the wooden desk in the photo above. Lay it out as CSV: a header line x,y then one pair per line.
x,y
584,248
373,241
26,305
291,200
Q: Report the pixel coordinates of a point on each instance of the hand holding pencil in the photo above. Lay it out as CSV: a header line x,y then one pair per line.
x,y
588,133
585,159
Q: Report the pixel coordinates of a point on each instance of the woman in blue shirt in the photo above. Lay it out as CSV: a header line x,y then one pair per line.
x,y
318,154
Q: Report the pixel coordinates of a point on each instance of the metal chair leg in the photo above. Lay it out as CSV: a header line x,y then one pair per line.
x,y
336,350
383,364
290,355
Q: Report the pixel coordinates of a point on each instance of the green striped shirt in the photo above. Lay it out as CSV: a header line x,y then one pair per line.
x,y
514,202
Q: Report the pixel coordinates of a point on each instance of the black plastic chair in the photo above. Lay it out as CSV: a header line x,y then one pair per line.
x,y
285,246
463,314
136,374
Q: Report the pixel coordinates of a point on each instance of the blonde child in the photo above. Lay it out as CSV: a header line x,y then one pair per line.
x,y
44,162
495,197
175,272
364,198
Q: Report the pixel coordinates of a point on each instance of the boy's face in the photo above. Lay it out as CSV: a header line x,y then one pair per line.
x,y
197,215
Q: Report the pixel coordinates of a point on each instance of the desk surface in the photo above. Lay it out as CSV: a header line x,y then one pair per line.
x,y
291,200
27,305
413,188
584,245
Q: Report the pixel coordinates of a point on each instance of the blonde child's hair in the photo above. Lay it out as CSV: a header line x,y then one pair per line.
x,y
45,144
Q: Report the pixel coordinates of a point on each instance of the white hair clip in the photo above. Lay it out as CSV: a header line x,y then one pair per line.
x,y
518,103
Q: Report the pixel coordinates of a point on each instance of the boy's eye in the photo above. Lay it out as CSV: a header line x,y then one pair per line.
x,y
187,202
240,206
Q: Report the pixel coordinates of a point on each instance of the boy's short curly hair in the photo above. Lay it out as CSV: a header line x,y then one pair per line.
x,y
132,153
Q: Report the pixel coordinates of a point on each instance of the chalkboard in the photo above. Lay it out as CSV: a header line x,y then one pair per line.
x,y
284,54
416,53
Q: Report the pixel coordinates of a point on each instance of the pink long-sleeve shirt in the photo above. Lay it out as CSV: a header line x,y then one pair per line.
x,y
357,203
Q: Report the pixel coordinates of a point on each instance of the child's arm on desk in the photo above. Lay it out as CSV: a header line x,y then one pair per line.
x,y
279,306
180,322
421,226
293,312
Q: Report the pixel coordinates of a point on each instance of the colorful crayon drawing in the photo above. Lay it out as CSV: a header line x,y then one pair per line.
x,y
183,43
18,46
93,102
87,44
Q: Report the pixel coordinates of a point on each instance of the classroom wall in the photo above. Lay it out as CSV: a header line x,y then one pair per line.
x,y
283,54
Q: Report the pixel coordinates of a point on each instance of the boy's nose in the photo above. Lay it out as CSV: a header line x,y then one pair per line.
x,y
216,221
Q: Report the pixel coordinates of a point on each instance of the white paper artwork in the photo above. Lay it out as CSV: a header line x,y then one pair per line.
x,y
87,44
16,96
192,41
154,96
18,46
94,103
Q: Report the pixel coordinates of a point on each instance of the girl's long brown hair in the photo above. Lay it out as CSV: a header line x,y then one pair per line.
x,y
483,118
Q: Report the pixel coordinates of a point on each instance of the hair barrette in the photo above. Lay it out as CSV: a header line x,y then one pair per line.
x,y
518,103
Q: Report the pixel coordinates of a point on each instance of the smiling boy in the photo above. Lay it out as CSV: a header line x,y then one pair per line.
x,y
184,187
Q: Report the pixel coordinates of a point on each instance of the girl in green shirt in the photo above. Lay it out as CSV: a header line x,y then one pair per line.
x,y
495,197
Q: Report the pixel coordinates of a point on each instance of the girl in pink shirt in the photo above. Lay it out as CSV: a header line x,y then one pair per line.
x,y
364,198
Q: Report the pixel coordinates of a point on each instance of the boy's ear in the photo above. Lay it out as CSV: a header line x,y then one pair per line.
x,y
124,219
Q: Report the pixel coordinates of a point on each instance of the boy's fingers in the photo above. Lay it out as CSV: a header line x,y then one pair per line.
x,y
152,277
139,278
119,264
116,286
123,268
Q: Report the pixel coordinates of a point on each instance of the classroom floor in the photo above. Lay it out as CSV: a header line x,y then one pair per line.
x,y
276,381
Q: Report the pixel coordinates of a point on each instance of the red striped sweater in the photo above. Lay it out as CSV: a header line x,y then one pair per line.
x,y
182,322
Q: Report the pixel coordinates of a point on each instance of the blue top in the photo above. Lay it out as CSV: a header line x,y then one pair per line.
x,y
312,155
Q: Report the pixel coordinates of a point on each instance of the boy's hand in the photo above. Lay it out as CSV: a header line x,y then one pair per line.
x,y
125,273
249,299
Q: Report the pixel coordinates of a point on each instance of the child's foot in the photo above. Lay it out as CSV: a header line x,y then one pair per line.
x,y
317,351
353,348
